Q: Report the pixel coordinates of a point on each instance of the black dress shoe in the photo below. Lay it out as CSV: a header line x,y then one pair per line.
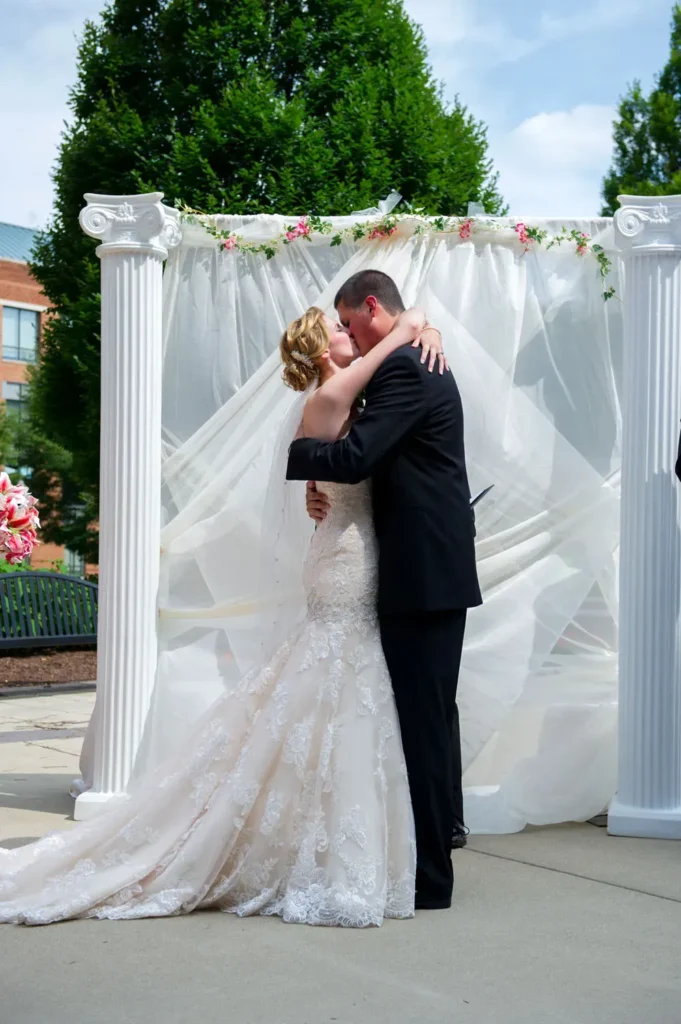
x,y
459,836
426,904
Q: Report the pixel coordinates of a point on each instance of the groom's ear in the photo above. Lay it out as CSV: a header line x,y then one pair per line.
x,y
372,304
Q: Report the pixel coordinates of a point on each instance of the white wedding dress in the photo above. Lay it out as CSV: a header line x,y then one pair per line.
x,y
291,797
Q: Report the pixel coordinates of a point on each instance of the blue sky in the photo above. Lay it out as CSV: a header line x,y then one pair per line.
x,y
545,75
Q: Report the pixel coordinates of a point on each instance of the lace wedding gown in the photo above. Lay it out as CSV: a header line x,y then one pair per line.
x,y
291,797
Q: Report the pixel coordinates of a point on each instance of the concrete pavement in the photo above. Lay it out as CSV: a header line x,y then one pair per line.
x,y
561,925
40,741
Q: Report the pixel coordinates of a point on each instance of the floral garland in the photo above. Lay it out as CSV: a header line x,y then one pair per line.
x,y
465,227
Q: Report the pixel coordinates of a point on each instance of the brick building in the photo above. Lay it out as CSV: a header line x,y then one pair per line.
x,y
22,307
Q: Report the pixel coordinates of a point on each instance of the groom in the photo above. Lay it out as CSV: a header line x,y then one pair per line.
x,y
409,440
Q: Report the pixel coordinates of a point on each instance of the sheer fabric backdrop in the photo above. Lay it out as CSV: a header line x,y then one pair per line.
x,y
537,356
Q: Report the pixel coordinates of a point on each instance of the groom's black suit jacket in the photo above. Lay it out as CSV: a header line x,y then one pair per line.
x,y
409,440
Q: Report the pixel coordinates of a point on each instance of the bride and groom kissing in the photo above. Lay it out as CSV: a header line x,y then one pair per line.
x,y
326,786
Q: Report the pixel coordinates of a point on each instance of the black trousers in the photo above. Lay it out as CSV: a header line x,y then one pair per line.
x,y
423,652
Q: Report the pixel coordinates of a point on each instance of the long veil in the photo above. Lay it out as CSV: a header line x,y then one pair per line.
x,y
232,551
536,353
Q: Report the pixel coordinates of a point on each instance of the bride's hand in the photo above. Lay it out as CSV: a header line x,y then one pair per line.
x,y
430,341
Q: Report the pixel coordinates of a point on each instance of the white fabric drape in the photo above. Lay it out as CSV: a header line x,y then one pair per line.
x,y
536,353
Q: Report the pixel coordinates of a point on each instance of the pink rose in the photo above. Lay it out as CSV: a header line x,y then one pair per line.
x,y
523,237
380,232
465,230
229,243
302,228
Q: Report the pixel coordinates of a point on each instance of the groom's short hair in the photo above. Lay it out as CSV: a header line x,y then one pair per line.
x,y
370,282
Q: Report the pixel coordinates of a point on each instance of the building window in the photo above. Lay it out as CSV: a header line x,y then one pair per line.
x,y
14,396
74,564
20,334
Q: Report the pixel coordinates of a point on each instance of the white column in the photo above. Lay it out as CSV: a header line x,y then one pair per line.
x,y
648,801
135,232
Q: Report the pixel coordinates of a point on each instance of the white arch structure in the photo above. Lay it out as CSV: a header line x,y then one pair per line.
x,y
135,234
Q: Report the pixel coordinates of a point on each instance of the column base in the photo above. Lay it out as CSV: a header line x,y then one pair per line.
x,y
644,822
90,803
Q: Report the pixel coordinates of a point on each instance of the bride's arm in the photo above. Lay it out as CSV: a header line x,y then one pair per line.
x,y
328,409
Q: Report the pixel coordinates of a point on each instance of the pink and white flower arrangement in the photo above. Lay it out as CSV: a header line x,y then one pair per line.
x,y
523,236
19,521
465,229
382,232
301,229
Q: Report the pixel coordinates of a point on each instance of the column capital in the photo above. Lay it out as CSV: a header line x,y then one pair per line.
x,y
648,224
133,224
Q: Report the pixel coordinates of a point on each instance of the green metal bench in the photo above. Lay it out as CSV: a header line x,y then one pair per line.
x,y
46,609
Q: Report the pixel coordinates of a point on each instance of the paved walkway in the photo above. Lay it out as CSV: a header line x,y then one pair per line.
x,y
40,741
554,926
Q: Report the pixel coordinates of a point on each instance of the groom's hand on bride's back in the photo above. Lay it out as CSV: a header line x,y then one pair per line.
x,y
316,502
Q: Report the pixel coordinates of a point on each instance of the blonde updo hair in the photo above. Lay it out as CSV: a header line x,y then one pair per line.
x,y
301,345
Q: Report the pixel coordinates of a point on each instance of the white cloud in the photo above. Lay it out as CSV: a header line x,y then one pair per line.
x,y
552,164
580,138
604,14
465,41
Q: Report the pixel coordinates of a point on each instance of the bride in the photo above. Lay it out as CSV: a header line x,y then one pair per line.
x,y
291,797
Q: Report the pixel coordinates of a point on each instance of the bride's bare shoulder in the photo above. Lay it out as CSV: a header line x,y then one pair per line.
x,y
321,418
313,409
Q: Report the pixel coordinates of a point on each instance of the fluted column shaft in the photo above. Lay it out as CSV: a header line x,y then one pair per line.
x,y
648,801
136,233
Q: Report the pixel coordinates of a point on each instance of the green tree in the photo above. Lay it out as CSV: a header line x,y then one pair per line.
x,y
5,437
21,445
242,106
647,134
